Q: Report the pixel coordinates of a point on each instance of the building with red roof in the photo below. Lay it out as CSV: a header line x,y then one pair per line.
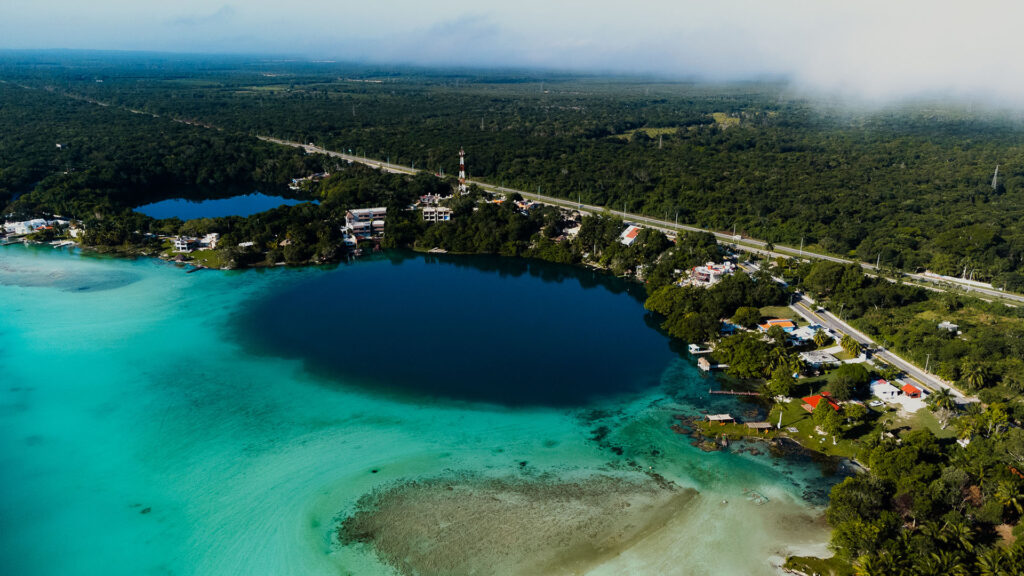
x,y
811,402
786,324
911,391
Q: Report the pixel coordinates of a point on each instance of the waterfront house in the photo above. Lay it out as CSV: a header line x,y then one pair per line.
x,y
811,402
183,243
628,235
709,274
24,227
436,214
720,418
366,223
209,242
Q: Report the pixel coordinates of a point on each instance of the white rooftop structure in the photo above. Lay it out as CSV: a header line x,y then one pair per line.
x,y
436,214
710,273
805,333
24,227
628,235
882,390
819,359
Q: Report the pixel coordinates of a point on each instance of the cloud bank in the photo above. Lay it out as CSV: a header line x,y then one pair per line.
x,y
870,49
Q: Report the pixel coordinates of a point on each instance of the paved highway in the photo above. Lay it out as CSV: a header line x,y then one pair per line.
x,y
737,242
810,312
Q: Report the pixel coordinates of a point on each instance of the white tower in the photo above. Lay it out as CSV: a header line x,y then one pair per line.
x,y
995,178
462,171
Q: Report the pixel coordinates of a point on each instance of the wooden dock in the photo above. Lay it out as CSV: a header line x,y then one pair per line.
x,y
733,392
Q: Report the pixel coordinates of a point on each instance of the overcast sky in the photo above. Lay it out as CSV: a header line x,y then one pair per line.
x,y
871,49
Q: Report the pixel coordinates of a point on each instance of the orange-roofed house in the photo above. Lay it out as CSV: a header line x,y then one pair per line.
x,y
786,324
811,402
629,235
911,391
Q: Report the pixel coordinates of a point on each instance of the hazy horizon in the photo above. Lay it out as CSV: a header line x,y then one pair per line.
x,y
873,51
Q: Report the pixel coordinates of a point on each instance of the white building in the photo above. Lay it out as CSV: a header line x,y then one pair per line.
x,y
436,214
365,223
805,333
818,359
25,227
709,274
882,390
210,241
183,243
628,235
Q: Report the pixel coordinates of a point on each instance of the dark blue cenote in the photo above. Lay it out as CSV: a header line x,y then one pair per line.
x,y
242,205
506,331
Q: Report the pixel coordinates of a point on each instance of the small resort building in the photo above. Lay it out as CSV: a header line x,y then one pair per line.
x,y
436,214
366,223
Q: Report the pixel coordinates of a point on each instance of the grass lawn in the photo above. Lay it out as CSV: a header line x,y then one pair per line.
x,y
782,312
208,258
824,566
843,355
924,419
793,415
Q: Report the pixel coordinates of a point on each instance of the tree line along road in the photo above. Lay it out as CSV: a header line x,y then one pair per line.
x,y
735,241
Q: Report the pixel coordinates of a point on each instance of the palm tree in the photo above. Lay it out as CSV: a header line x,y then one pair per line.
x,y
1008,494
993,562
942,398
850,345
959,534
796,364
975,375
943,563
777,358
966,428
931,530
871,565
821,339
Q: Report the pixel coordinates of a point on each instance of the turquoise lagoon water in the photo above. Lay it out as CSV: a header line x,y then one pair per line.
x,y
242,205
150,425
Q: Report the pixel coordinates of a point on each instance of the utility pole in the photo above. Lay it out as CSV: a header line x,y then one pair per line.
x,y
926,361
801,247
878,261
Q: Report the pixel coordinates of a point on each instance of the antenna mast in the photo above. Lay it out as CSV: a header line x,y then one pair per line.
x,y
462,171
